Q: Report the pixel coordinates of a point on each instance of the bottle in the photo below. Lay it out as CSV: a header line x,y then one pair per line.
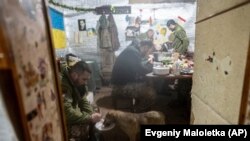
x,y
177,68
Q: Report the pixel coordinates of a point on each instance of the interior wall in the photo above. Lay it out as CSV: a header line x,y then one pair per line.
x,y
222,44
80,43
208,8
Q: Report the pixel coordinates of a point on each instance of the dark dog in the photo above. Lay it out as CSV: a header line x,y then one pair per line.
x,y
130,122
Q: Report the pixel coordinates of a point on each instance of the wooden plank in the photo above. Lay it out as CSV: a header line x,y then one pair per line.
x,y
244,116
33,70
3,51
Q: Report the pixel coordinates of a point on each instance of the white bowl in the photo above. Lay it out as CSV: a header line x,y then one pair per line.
x,y
161,70
99,126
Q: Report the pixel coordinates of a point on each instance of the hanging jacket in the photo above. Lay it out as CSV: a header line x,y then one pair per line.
x,y
113,33
104,34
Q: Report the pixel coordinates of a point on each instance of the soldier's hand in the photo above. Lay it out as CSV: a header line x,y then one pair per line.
x,y
96,117
150,59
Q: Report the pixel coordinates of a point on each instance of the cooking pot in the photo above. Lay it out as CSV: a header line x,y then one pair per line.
x,y
158,56
161,70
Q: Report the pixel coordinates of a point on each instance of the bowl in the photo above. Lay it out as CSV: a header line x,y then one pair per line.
x,y
161,70
158,56
99,126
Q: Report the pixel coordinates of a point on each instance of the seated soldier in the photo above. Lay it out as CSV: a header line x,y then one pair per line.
x,y
80,116
128,75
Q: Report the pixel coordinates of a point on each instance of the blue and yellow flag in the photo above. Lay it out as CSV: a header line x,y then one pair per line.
x,y
58,31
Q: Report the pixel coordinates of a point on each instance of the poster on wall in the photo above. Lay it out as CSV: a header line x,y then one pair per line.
x,y
132,32
82,24
91,32
38,92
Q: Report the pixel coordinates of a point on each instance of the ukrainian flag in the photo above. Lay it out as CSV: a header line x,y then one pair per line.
x,y
58,31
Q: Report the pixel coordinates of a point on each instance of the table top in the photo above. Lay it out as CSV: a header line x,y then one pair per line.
x,y
170,76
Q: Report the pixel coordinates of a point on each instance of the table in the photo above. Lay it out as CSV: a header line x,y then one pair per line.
x,y
169,76
183,87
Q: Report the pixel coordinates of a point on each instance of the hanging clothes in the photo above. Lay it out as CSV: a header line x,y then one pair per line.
x,y
104,34
104,42
113,33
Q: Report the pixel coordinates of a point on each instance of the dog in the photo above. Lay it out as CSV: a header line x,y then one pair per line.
x,y
130,123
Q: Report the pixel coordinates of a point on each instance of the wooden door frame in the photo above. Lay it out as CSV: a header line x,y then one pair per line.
x,y
10,88
245,90
55,67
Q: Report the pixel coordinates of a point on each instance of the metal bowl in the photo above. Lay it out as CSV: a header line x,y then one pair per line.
x,y
159,55
161,70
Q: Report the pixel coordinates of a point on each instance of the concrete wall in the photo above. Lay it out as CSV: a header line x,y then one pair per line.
x,y
207,8
222,44
86,47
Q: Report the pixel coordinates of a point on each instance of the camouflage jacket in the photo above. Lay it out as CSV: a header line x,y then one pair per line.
x,y
76,107
179,40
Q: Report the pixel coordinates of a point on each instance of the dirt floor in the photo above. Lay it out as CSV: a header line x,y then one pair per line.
x,y
175,112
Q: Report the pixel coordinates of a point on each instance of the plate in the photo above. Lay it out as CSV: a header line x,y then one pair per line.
x,y
187,72
100,127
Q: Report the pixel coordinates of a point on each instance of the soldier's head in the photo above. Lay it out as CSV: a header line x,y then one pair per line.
x,y
80,73
171,24
150,33
71,59
146,47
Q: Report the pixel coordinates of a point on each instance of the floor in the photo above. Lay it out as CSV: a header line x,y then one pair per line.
x,y
175,112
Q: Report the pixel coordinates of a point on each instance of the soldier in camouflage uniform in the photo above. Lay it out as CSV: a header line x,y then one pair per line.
x,y
78,111
178,39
